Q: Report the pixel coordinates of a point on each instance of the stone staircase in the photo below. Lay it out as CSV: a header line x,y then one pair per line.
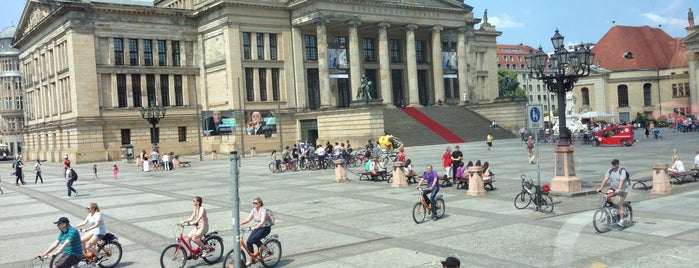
x,y
467,124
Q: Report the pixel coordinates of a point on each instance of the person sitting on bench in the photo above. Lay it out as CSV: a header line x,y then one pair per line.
x,y
677,168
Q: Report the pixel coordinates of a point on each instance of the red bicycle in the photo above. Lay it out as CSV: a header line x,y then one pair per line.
x,y
177,254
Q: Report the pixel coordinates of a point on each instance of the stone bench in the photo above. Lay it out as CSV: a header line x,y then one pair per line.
x,y
681,177
463,184
185,164
642,181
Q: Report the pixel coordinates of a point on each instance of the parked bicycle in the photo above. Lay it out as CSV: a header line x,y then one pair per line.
x,y
269,258
608,213
540,197
108,247
177,254
423,207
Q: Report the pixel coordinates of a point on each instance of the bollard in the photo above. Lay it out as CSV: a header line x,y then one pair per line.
x,y
475,181
661,180
399,179
340,171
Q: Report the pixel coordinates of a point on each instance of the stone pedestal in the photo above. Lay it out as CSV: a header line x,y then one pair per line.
x,y
661,180
564,179
340,171
399,179
176,162
475,181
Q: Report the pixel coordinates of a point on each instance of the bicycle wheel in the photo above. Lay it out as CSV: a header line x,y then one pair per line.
x,y
111,254
602,220
216,245
271,167
228,261
522,200
441,208
173,256
546,203
419,213
273,255
628,213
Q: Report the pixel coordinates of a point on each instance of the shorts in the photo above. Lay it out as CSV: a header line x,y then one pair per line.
x,y
202,231
621,193
66,261
490,144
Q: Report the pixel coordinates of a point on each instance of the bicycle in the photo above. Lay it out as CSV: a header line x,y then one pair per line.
x,y
177,254
270,258
541,198
108,247
608,214
37,262
423,207
277,169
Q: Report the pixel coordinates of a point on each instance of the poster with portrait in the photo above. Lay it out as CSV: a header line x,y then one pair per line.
x,y
260,122
449,60
218,122
337,60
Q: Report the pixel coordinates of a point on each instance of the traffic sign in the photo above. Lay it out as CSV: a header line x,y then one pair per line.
x,y
535,117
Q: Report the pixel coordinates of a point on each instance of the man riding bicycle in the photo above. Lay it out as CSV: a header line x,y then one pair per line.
x,y
432,188
616,177
200,220
70,247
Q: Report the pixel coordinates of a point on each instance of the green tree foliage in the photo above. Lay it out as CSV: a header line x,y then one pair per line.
x,y
508,86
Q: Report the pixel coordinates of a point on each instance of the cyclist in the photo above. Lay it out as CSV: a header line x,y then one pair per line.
x,y
616,176
70,249
451,262
432,188
200,220
94,230
260,230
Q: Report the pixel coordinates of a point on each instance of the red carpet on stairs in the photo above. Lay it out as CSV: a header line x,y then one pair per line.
x,y
437,128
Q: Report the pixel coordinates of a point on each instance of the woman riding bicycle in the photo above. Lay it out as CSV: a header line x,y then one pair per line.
x,y
94,230
432,179
261,229
200,220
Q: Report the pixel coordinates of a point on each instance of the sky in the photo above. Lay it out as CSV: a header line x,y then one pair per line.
x,y
534,22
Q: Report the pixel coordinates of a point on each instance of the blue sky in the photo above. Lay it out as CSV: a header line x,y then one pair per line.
x,y
534,22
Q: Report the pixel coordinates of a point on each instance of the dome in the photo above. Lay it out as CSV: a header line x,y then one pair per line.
x,y
8,32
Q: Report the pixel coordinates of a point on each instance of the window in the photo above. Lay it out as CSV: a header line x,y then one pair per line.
x,y
148,52
150,89
246,46
275,84
585,92
260,46
249,86
369,52
273,46
420,51
182,134
647,99
118,51
136,89
121,90
133,52
394,48
263,83
680,90
164,90
162,53
623,95
179,97
175,53
125,136
311,44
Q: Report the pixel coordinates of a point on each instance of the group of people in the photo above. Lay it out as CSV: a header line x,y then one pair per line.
x,y
155,160
303,150
453,163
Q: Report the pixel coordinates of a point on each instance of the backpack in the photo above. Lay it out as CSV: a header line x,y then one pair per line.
x,y
73,174
270,216
626,180
367,166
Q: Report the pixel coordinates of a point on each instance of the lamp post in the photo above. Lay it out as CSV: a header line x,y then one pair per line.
x,y
559,72
153,113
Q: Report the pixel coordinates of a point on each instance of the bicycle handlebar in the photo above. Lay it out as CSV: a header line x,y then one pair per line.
x,y
183,224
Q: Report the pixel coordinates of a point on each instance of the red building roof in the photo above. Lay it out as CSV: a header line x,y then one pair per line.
x,y
652,48
513,55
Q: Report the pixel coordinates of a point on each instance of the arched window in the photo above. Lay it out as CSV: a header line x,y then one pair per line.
x,y
647,100
622,92
585,92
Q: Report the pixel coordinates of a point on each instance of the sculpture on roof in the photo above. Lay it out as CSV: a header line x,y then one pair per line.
x,y
485,16
690,17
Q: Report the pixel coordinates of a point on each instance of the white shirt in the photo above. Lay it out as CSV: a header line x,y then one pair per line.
x,y
696,160
166,158
679,166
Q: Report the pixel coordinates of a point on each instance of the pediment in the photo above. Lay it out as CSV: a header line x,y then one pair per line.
x,y
448,4
35,13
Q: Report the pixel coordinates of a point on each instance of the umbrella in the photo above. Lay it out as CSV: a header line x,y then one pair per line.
x,y
595,115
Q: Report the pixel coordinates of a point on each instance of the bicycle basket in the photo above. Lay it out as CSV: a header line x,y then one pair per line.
x,y
529,184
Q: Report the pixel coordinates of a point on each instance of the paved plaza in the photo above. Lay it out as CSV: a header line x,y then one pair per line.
x,y
322,223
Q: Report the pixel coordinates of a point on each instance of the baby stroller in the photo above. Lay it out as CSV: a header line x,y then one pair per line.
x,y
656,134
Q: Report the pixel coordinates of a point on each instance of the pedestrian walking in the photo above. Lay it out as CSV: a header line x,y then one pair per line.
x,y
37,168
71,176
94,172
530,150
18,165
489,141
523,131
116,172
446,161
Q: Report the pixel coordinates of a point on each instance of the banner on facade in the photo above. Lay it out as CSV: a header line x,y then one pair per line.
x,y
337,60
218,122
449,59
262,122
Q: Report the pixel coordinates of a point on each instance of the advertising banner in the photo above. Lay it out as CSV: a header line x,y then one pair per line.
x,y
262,122
218,122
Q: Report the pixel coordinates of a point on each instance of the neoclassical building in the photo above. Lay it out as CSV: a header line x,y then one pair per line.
x,y
11,96
297,66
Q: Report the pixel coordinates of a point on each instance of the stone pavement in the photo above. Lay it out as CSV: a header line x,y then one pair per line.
x,y
368,224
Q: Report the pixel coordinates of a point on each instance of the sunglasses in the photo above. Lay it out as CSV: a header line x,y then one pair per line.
x,y
255,203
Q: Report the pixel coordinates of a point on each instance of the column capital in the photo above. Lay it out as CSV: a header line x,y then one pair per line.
x,y
383,25
437,28
411,27
354,23
321,21
462,30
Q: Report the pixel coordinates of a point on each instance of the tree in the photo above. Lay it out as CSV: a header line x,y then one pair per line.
x,y
508,86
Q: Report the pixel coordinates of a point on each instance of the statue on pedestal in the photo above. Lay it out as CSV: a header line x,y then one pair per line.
x,y
690,17
364,92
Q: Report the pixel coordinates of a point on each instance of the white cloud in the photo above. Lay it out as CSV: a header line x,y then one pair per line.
x,y
506,21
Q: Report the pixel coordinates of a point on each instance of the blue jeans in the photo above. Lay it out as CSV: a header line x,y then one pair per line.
x,y
256,236
433,203
70,186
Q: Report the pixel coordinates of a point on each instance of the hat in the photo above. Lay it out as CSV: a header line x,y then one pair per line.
x,y
615,161
62,220
451,261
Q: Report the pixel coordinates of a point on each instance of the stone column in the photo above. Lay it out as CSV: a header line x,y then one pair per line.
x,y
298,69
340,171
463,65
437,63
564,179
323,73
384,64
413,95
661,180
355,60
399,179
475,181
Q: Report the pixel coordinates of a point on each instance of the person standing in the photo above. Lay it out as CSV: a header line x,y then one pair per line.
x,y
401,155
616,177
94,172
69,182
18,165
446,161
523,131
456,157
70,249
696,161
530,150
489,141
37,168
116,172
154,159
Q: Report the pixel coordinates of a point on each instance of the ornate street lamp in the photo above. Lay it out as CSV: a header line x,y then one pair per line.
x,y
153,113
559,72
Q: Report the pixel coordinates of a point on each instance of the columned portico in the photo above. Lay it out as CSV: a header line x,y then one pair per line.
x,y
355,60
437,63
461,53
411,60
323,73
384,63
